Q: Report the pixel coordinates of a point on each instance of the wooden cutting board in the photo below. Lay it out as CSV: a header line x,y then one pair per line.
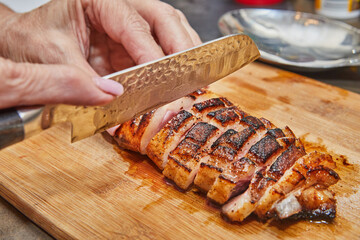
x,y
92,190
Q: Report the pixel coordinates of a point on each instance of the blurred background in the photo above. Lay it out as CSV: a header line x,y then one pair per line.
x,y
203,16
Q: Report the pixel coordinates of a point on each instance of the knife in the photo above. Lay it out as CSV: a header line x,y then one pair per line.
x,y
146,87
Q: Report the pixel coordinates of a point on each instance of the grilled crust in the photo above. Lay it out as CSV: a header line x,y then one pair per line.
x,y
234,179
159,147
313,169
243,161
316,203
184,158
129,134
181,167
231,145
264,178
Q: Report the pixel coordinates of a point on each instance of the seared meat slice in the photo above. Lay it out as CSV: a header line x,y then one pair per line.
x,y
174,131
309,170
169,136
230,146
242,206
236,175
183,161
310,203
129,134
313,168
136,134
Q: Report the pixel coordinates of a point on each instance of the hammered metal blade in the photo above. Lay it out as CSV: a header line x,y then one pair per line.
x,y
154,84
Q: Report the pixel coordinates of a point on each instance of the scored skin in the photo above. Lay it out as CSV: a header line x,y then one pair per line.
x,y
171,134
236,176
238,209
130,135
230,146
311,169
183,160
303,173
161,116
219,114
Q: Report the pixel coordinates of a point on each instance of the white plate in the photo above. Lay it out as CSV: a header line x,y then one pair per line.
x,y
301,41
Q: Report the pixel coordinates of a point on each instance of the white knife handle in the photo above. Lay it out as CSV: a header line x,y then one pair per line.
x,y
18,124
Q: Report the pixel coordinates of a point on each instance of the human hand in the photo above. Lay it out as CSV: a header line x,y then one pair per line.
x,y
77,40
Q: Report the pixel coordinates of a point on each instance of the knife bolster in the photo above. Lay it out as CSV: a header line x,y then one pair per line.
x,y
11,127
32,119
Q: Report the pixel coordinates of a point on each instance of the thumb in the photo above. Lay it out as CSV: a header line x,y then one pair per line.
x,y
33,84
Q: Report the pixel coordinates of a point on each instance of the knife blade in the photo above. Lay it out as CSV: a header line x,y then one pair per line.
x,y
146,87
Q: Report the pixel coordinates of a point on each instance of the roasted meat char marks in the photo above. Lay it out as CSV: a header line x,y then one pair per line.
x,y
276,191
129,134
209,104
242,206
222,152
200,92
245,162
183,160
202,134
136,134
302,190
163,142
236,176
229,146
175,130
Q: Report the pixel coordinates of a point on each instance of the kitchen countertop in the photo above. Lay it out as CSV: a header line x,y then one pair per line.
x,y
203,16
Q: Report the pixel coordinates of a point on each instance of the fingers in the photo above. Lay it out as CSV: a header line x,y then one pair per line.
x,y
131,24
169,25
193,34
122,23
33,84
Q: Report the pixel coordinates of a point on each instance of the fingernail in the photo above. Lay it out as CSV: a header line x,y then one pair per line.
x,y
109,86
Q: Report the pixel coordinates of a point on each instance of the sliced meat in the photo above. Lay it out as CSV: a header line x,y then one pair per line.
x,y
309,203
241,161
230,146
129,134
242,206
183,161
313,168
160,117
236,176
174,131
181,167
136,134
169,136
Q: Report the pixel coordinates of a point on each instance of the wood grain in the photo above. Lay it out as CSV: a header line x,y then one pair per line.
x,y
92,190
